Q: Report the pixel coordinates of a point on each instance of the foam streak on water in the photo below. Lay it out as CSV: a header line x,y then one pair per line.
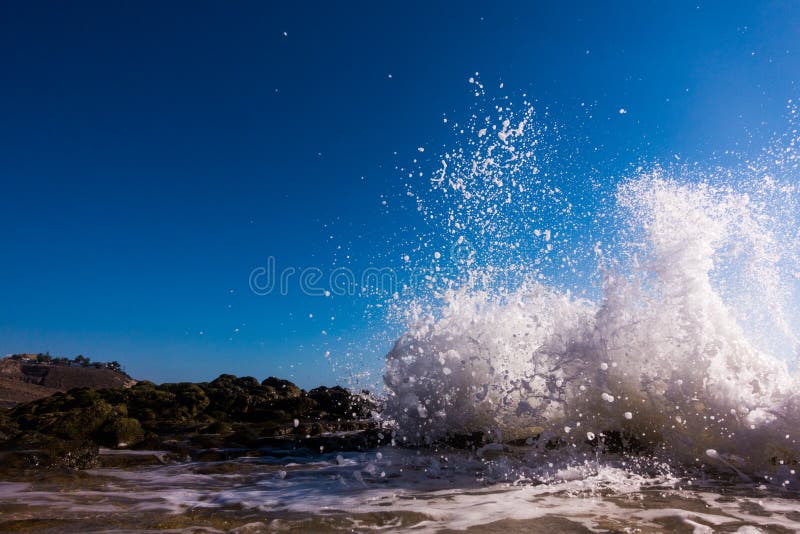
x,y
396,490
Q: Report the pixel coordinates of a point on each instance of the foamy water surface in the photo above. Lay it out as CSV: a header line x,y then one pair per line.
x,y
394,490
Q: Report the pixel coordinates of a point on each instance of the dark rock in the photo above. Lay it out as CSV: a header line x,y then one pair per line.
x,y
8,427
219,427
283,388
229,412
75,415
122,432
66,454
244,436
216,455
129,459
339,402
620,442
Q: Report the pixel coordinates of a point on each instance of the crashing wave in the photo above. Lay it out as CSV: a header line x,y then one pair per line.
x,y
661,356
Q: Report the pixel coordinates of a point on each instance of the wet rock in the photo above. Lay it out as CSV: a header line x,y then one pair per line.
x,y
122,432
8,428
282,388
621,442
229,412
126,459
66,454
471,441
208,441
219,427
345,441
217,455
340,403
244,436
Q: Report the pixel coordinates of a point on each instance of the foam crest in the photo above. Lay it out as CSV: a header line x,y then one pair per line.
x,y
693,290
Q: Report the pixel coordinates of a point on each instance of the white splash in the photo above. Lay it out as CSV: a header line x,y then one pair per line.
x,y
668,354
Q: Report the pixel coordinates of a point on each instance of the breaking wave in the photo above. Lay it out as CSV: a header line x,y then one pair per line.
x,y
679,335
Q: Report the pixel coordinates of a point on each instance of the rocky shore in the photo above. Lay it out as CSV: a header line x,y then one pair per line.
x,y
222,419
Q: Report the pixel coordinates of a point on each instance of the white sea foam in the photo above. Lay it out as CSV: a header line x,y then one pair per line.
x,y
422,491
687,346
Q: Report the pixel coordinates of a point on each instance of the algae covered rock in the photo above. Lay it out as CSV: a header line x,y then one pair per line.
x,y
282,388
71,454
122,432
75,415
219,427
340,403
65,429
8,427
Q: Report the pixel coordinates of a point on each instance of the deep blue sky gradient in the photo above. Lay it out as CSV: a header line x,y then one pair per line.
x,y
153,153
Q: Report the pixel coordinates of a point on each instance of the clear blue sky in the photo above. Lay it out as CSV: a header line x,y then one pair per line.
x,y
153,153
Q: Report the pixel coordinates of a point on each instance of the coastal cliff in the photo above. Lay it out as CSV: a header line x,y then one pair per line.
x,y
28,377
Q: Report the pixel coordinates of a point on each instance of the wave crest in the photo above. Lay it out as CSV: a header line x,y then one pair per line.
x,y
661,355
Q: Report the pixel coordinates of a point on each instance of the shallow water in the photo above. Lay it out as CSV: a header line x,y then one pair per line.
x,y
392,490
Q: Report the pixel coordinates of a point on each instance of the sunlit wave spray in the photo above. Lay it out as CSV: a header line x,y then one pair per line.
x,y
682,340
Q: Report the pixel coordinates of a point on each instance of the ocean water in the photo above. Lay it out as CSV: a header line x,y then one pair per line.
x,y
622,350
395,490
